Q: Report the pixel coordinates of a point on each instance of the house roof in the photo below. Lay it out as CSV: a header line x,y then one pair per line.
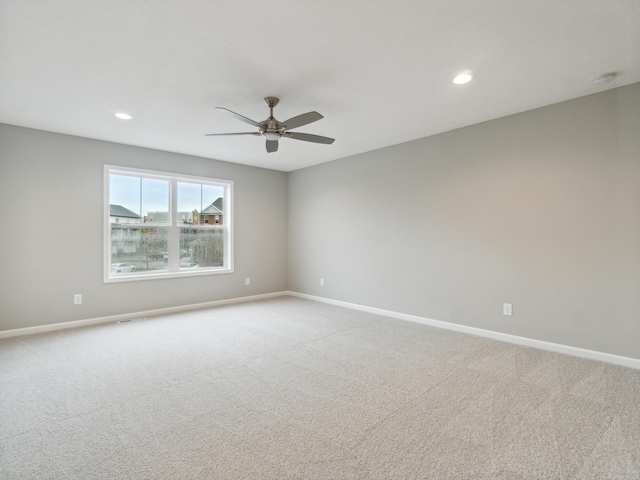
x,y
212,210
216,208
120,211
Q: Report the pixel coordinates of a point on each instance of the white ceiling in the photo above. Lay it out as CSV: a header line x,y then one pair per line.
x,y
379,71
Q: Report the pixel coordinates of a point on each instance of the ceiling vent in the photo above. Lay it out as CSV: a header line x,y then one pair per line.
x,y
604,79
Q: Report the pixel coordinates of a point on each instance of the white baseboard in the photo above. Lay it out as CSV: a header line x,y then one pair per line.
x,y
505,337
129,316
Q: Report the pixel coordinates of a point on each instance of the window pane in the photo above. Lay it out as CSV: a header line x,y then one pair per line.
x,y
211,193
189,202
138,200
201,248
198,203
124,199
138,249
155,200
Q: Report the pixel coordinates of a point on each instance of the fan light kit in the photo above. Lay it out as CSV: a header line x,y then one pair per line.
x,y
464,77
273,136
273,130
123,116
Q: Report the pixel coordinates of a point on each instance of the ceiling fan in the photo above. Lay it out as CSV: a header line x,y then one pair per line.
x,y
273,130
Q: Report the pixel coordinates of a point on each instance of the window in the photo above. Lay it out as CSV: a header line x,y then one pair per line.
x,y
157,225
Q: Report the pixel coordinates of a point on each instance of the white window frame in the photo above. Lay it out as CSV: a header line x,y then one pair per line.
x,y
174,227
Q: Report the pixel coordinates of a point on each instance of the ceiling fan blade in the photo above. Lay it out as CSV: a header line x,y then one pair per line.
x,y
300,120
240,133
238,116
272,146
309,138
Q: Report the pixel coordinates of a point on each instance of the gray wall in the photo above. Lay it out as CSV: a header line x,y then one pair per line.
x,y
51,239
539,209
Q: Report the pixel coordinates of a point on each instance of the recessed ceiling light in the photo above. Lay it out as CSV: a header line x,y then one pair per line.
x,y
464,77
123,116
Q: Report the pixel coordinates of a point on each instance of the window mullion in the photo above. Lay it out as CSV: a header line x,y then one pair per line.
x,y
174,231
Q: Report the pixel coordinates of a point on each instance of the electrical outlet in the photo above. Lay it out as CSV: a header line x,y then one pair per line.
x,y
507,309
77,299
247,281
322,282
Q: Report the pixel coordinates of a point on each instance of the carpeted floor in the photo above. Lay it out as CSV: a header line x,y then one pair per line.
x,y
288,388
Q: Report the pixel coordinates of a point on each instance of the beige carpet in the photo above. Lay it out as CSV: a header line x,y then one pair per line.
x,y
287,388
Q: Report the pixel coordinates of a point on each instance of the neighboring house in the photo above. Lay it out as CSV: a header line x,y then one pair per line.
x,y
213,214
188,217
119,214
123,240
157,217
163,217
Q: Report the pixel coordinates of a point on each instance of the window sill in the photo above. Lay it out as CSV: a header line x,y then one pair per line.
x,y
134,277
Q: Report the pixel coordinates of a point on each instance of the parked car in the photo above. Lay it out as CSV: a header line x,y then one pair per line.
x,y
187,262
122,267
